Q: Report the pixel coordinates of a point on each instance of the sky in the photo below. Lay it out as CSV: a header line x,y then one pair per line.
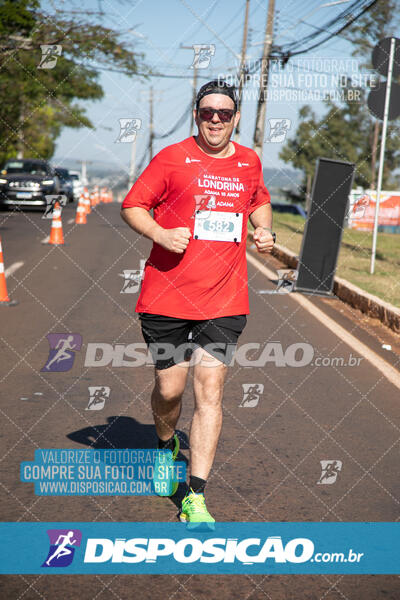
x,y
159,29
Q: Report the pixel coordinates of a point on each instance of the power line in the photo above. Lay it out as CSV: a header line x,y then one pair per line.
x,y
346,15
163,75
279,53
235,16
207,16
307,11
215,34
180,121
285,53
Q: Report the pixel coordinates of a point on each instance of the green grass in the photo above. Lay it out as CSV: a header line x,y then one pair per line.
x,y
354,256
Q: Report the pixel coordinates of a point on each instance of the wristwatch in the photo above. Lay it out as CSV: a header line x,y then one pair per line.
x,y
271,232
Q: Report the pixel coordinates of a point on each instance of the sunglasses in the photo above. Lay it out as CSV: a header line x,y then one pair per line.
x,y
224,114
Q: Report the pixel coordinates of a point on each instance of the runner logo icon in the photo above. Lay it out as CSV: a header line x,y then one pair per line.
x,y
132,279
62,351
50,54
202,55
251,394
62,547
330,470
286,280
203,205
97,397
278,130
128,130
50,205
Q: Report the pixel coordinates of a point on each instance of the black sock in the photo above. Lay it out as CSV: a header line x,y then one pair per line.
x,y
167,444
197,484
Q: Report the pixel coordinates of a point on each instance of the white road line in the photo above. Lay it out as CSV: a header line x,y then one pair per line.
x,y
45,240
12,268
70,221
385,368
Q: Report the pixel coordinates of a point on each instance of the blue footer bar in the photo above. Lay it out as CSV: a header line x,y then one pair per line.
x,y
236,548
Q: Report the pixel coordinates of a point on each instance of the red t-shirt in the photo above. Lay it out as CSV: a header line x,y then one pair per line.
x,y
209,279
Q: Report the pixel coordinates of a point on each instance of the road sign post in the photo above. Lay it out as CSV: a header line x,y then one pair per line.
x,y
383,58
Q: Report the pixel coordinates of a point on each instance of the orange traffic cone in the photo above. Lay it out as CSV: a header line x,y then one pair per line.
x,y
4,298
56,233
87,201
80,218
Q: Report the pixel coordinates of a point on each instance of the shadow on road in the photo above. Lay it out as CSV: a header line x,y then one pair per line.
x,y
126,432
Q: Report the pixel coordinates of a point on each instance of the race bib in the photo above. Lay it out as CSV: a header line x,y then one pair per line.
x,y
218,226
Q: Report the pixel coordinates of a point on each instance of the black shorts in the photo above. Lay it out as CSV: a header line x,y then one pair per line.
x,y
172,341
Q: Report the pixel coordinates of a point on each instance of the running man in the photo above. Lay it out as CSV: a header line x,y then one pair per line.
x,y
98,396
62,346
195,280
62,549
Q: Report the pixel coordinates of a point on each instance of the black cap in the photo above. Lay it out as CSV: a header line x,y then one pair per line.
x,y
217,86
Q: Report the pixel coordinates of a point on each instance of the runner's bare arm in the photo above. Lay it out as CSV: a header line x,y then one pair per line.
x,y
262,216
141,221
261,219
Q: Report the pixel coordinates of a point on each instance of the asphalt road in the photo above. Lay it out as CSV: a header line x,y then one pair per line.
x,y
267,466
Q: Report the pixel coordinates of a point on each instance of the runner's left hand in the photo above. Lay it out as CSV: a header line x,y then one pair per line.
x,y
263,240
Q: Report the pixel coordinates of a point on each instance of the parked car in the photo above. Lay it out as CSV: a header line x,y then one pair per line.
x,y
76,183
66,183
293,209
27,182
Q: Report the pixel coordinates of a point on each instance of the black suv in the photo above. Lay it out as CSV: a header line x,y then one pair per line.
x,y
27,182
66,186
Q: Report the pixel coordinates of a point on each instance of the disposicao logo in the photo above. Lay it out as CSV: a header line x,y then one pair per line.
x,y
191,550
62,547
62,351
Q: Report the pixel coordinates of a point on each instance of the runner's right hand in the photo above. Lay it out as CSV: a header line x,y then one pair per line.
x,y
174,240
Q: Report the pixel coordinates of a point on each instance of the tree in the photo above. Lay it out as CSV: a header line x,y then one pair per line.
x,y
36,103
380,21
348,131
343,133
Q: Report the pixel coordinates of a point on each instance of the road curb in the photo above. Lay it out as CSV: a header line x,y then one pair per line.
x,y
367,303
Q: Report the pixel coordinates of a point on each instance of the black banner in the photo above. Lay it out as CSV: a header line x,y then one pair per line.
x,y
323,232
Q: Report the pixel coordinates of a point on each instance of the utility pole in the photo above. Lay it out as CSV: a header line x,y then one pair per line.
x,y
193,99
382,152
194,84
84,172
132,164
242,64
373,153
151,125
84,164
259,129
21,137
150,96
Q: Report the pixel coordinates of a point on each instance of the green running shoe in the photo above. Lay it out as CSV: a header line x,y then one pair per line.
x,y
165,486
194,512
